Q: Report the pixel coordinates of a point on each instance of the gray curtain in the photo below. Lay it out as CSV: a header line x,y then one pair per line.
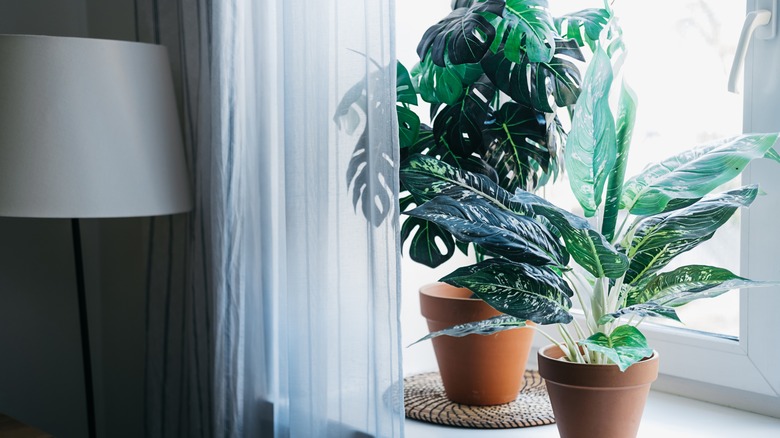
x,y
273,309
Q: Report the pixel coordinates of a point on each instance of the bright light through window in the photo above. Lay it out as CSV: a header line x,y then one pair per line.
x,y
679,57
680,53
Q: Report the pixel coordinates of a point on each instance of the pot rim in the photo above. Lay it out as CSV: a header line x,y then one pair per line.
x,y
543,351
586,375
425,290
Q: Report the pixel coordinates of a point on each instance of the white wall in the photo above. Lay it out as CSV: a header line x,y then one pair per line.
x,y
40,358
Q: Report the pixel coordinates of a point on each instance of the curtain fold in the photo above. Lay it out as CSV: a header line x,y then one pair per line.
x,y
273,309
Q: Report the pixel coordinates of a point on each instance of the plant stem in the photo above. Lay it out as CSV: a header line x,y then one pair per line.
x,y
549,338
578,329
585,309
614,297
620,229
599,301
574,351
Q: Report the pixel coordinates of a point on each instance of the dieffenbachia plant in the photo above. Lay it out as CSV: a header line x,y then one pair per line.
x,y
543,257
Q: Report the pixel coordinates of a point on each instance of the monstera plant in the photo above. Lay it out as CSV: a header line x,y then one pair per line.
x,y
543,257
499,76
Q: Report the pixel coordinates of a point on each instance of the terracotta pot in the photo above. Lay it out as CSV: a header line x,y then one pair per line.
x,y
596,400
475,369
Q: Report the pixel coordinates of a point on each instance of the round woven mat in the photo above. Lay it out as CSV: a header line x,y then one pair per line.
x,y
424,400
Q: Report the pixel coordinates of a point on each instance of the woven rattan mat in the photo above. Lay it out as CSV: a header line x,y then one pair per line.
x,y
424,400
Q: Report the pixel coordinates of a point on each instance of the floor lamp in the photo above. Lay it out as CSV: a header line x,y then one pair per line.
x,y
88,129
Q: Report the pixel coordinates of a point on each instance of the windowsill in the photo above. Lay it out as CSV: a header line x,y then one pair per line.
x,y
665,415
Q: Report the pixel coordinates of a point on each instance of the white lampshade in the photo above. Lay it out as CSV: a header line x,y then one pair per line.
x,y
88,128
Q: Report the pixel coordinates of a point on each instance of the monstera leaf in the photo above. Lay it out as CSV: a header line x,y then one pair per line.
x,y
422,144
660,238
527,29
464,36
535,83
694,173
524,291
587,246
408,126
473,219
404,88
591,148
458,127
583,26
423,248
438,85
517,145
689,283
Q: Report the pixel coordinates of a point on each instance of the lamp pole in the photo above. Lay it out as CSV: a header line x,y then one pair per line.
x,y
86,355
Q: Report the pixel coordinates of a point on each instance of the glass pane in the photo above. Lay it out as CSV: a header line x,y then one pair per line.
x,y
680,53
679,57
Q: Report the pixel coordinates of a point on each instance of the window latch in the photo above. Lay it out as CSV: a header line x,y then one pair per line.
x,y
760,23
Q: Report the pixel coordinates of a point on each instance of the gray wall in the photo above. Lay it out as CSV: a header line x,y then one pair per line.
x,y
40,358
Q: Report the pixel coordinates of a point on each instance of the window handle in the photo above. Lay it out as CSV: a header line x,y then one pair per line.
x,y
753,21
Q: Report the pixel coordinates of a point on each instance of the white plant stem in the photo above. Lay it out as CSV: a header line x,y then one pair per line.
x,y
574,354
577,328
549,338
580,282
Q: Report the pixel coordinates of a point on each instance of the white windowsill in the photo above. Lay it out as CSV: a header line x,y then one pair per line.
x,y
665,416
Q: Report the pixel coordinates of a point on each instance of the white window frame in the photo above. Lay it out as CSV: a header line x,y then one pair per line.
x,y
743,373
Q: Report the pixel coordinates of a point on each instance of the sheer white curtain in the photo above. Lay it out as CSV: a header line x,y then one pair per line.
x,y
273,309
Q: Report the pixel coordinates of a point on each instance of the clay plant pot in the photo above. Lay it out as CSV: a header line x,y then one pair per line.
x,y
596,401
475,369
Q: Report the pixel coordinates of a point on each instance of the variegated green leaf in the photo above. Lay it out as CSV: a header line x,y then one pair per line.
x,y
642,310
535,293
625,128
426,177
592,146
772,154
587,246
688,283
660,238
474,220
694,173
624,347
485,327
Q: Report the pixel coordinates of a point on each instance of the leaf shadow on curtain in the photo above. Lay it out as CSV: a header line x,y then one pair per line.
x,y
273,309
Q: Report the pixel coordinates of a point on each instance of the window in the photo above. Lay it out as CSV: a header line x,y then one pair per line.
x,y
680,54
679,64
